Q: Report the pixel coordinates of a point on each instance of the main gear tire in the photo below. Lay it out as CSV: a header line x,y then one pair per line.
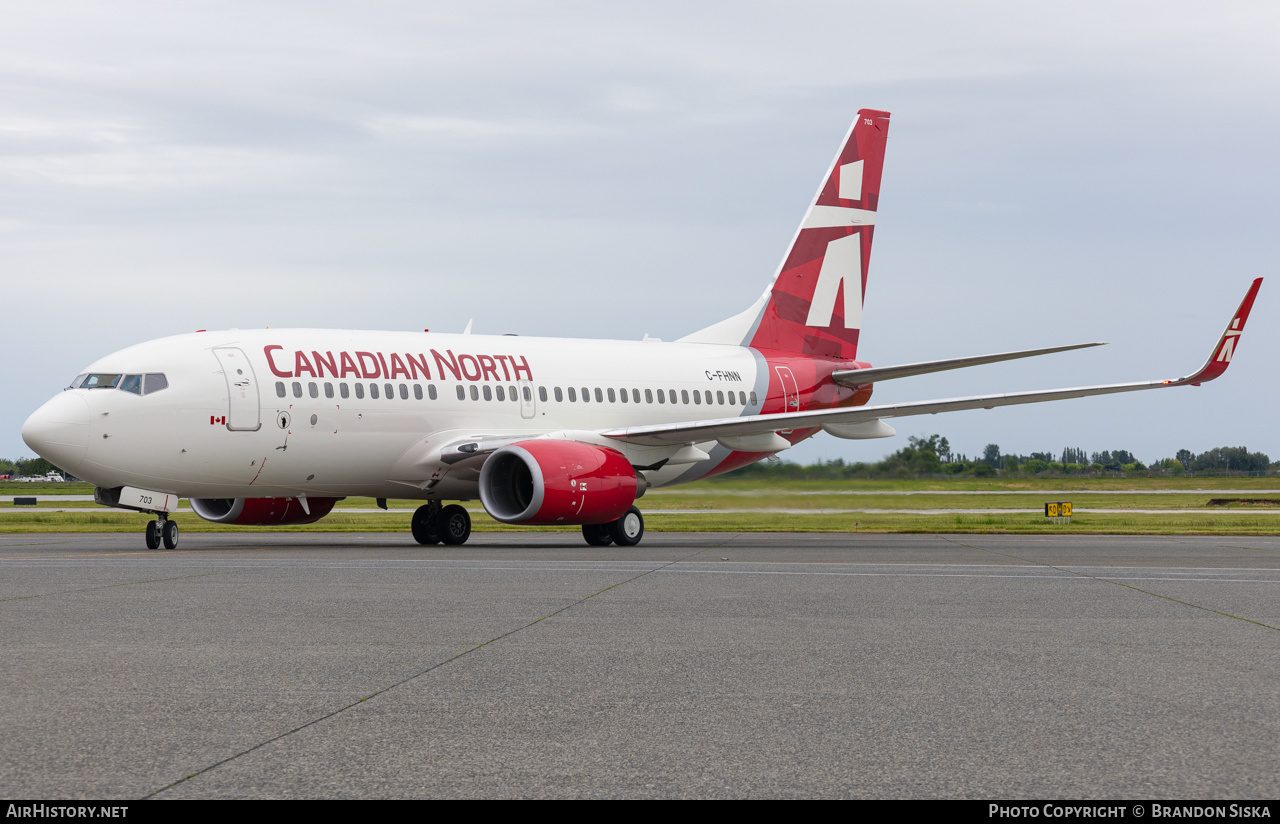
x,y
597,534
629,529
455,525
426,524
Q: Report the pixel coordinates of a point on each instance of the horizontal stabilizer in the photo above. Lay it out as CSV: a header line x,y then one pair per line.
x,y
862,377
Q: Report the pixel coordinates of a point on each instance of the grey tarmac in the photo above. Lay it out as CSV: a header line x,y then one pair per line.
x,y
696,665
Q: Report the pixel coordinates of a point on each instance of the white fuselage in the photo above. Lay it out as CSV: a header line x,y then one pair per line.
x,y
267,413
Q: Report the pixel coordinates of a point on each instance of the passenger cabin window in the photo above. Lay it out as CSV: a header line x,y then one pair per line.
x,y
462,393
297,389
500,392
732,400
742,397
360,391
684,395
635,396
622,394
648,396
373,391
488,392
511,391
417,391
431,391
719,397
390,390
753,398
131,383
573,396
542,394
280,392
100,381
559,395
343,390
475,393
404,392
661,398
697,396
328,390
527,392
612,397
313,390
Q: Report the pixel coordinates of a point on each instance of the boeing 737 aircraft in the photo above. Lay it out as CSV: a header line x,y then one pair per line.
x,y
275,426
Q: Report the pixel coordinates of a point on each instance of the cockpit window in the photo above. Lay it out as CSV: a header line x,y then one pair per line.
x,y
76,383
100,381
154,382
131,383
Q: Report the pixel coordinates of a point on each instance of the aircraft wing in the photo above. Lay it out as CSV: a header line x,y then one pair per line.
x,y
862,377
707,430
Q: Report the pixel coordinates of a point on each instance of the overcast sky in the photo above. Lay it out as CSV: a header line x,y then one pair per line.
x,y
1055,173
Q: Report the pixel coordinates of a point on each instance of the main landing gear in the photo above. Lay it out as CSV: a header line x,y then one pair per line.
x,y
626,531
434,524
162,530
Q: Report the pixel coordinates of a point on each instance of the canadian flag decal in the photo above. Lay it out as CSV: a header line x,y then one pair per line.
x,y
215,420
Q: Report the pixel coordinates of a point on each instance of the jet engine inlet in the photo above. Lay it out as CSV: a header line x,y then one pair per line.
x,y
547,481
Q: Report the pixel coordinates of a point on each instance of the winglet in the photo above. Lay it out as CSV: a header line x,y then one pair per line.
x,y
1221,356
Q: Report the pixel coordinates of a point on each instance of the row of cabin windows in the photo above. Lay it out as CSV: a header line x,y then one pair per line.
x,y
633,396
509,392
389,390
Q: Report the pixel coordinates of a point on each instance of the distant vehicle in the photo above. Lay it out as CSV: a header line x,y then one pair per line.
x,y
47,478
274,426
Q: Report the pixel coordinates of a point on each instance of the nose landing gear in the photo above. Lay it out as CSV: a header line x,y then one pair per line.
x,y
163,531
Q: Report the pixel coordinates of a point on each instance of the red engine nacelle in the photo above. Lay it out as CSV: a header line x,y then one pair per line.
x,y
261,511
547,481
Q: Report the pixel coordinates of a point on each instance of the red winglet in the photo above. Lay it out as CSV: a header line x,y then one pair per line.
x,y
1220,359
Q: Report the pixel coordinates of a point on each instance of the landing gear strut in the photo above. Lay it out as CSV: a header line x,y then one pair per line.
x,y
626,531
162,530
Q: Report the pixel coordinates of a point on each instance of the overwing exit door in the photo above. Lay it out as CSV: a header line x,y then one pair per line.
x,y
527,403
242,389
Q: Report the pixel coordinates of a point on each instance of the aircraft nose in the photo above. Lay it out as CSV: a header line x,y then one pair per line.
x,y
59,431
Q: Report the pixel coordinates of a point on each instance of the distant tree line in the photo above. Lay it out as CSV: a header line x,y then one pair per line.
x,y
26,466
932,456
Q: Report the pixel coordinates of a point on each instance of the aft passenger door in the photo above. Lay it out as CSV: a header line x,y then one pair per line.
x,y
790,392
242,389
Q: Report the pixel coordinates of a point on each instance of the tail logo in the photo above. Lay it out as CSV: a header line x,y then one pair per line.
x,y
842,264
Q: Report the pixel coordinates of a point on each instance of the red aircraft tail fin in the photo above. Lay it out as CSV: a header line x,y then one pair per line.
x,y
814,304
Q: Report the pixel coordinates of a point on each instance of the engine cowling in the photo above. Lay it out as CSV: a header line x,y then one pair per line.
x,y
548,481
261,511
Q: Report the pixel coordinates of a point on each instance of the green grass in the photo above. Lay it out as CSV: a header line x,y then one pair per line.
x,y
702,506
1239,522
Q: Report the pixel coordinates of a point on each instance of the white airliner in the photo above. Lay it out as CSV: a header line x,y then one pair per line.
x,y
274,426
